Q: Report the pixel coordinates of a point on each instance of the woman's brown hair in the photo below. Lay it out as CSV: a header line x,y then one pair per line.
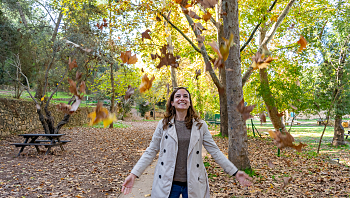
x,y
171,112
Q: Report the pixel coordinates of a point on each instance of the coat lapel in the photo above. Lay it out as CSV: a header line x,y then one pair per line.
x,y
172,130
194,137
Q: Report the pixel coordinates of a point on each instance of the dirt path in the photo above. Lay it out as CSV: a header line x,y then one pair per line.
x,y
95,163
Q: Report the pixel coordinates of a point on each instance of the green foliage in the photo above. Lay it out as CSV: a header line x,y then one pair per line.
x,y
250,172
143,107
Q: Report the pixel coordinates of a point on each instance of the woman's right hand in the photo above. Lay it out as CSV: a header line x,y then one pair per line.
x,y
128,184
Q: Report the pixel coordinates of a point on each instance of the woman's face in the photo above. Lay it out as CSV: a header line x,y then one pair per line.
x,y
181,100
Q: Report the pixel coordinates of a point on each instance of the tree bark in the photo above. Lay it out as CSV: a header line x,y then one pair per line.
x,y
338,138
57,26
238,147
22,14
173,77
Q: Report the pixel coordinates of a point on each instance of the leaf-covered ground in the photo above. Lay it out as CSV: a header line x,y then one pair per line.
x,y
97,160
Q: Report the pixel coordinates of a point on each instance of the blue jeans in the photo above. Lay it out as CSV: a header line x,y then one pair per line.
x,y
176,190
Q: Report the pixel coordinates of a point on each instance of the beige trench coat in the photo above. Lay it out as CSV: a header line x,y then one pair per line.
x,y
165,141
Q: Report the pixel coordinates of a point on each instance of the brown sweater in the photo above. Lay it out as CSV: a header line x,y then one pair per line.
x,y
183,136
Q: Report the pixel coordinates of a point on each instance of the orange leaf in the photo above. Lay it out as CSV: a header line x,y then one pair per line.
x,y
82,87
72,64
302,42
98,115
129,92
208,3
145,35
72,87
78,75
127,58
146,83
65,108
216,49
225,48
245,111
262,117
206,16
299,147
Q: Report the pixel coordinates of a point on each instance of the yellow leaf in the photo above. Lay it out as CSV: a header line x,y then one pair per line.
x,y
254,65
272,133
43,98
263,65
109,120
92,116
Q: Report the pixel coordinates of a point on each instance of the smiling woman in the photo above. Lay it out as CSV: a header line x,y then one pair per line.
x,y
178,139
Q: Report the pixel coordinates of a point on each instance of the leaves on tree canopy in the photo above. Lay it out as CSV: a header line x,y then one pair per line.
x,y
127,58
166,58
302,42
245,110
146,83
261,62
129,92
145,35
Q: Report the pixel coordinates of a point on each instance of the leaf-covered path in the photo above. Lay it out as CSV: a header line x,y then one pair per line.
x,y
97,161
94,164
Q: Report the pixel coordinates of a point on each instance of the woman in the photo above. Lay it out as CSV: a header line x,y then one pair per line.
x,y
179,138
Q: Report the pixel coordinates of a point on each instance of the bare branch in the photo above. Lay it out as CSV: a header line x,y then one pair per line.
x,y
46,11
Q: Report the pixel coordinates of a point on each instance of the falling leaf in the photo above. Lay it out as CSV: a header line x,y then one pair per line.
x,y
199,26
72,87
283,139
109,120
274,18
272,133
145,35
82,87
280,114
208,3
177,1
142,70
65,108
216,49
225,48
193,15
302,42
43,98
99,114
218,63
262,117
206,16
127,58
129,92
260,62
146,83
293,107
78,75
270,164
245,111
286,181
200,40
198,73
166,58
299,147
72,64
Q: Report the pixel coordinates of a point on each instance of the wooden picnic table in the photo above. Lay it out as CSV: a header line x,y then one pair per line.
x,y
50,141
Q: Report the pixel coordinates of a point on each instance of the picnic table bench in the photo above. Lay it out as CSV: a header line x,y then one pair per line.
x,y
294,122
31,140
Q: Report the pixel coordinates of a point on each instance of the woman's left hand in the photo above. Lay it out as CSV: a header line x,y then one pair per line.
x,y
243,178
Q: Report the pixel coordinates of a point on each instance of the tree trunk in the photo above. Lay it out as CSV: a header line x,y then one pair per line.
x,y
22,14
57,26
113,94
238,147
270,101
338,138
222,92
173,77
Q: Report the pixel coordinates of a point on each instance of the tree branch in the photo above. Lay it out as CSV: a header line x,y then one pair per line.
x,y
205,56
268,37
176,28
46,11
256,28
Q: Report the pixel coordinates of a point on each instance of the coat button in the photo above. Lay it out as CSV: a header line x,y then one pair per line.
x,y
197,165
160,177
198,178
162,163
166,137
197,152
164,150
